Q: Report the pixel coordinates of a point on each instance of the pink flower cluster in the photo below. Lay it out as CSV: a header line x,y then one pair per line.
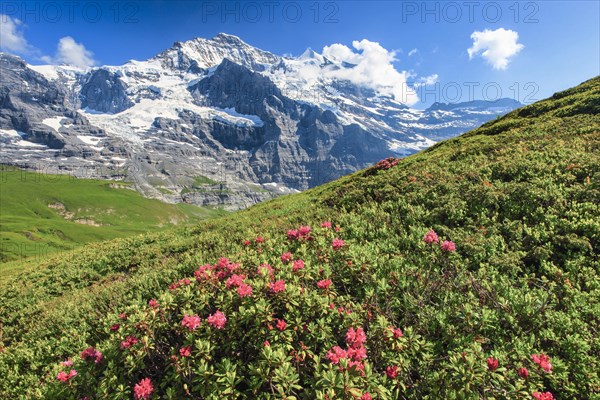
x,y
387,163
297,265
129,341
542,396
392,371
153,303
143,390
221,270
217,320
185,351
65,376
326,224
431,237
492,363
191,322
302,233
337,244
286,257
281,324
396,332
355,352
543,361
277,286
180,283
91,354
324,284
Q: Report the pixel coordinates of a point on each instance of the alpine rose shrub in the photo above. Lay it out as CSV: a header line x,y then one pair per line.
x,y
287,322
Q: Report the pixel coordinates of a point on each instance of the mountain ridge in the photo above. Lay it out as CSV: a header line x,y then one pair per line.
x,y
147,121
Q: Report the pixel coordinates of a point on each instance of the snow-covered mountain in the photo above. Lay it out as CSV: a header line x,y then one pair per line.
x,y
213,121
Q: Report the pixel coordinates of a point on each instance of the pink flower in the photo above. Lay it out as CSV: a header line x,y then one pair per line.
x,y
431,237
355,337
259,239
143,390
397,332
153,303
235,280
191,322
115,327
336,354
123,316
286,257
492,363
543,361
293,234
277,286
266,343
128,342
281,324
64,376
218,320
448,246
357,353
324,284
523,373
304,231
391,372
185,351
244,290
67,363
326,224
298,265
366,396
337,244
246,243
542,396
91,354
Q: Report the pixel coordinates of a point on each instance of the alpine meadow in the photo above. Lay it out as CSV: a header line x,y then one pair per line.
x,y
469,270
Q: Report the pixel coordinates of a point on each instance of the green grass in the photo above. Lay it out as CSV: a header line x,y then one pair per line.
x,y
30,228
520,196
202,180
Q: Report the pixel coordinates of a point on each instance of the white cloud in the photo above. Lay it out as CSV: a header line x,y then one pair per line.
x,y
427,80
496,47
11,36
69,52
413,52
373,68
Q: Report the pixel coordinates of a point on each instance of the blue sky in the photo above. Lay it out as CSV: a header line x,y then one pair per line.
x,y
526,50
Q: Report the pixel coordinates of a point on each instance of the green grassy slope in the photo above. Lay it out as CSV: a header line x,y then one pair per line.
x,y
42,213
520,196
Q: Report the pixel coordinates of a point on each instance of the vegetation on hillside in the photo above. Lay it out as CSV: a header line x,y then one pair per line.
x,y
470,270
44,213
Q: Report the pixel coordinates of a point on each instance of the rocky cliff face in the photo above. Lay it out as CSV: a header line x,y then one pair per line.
x,y
211,122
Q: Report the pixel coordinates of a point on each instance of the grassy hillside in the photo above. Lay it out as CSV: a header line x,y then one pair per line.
x,y
43,213
510,314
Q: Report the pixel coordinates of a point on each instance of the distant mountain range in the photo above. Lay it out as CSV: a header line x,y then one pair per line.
x,y
213,122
